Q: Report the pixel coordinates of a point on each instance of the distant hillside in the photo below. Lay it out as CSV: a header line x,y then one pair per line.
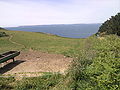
x,y
64,30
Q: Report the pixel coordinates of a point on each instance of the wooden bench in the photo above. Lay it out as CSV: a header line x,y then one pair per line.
x,y
8,55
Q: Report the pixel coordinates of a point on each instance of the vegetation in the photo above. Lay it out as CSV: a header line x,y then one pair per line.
x,y
98,67
45,82
111,26
2,34
38,41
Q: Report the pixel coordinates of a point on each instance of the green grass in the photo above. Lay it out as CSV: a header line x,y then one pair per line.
x,y
96,64
45,82
39,41
6,45
6,83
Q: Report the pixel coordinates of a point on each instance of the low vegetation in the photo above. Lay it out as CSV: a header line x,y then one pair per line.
x,y
19,40
3,34
45,82
95,67
98,67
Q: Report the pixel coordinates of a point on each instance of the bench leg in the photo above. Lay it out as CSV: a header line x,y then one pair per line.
x,y
13,59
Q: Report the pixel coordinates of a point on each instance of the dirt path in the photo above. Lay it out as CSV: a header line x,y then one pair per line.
x,y
10,39
32,63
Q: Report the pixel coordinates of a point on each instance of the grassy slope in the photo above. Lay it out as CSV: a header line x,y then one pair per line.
x,y
41,42
38,41
97,60
95,68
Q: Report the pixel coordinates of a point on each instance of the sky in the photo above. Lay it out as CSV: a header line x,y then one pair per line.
x,y
42,12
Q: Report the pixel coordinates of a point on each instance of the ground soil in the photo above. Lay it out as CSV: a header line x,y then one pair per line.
x,y
32,63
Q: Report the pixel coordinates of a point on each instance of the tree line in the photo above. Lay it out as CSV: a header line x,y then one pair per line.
x,y
111,26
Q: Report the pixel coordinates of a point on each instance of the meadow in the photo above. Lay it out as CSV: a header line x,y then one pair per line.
x,y
96,64
19,40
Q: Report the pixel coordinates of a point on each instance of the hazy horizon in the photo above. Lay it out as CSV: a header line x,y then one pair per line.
x,y
52,24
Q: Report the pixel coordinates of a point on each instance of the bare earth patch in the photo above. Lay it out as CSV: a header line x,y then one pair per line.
x,y
32,63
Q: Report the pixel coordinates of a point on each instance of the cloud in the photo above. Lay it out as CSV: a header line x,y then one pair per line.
x,y
36,12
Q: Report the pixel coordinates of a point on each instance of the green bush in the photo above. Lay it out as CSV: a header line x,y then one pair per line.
x,y
104,72
111,26
98,69
3,34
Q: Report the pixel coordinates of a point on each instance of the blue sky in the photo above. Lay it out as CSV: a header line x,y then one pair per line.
x,y
40,12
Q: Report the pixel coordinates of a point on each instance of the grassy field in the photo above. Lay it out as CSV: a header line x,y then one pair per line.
x,y
25,41
18,40
96,64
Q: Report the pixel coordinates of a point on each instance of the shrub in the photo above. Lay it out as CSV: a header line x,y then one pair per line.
x,y
3,34
111,26
102,71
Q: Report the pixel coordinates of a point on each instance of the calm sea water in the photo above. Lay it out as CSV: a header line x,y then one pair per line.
x,y
70,30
